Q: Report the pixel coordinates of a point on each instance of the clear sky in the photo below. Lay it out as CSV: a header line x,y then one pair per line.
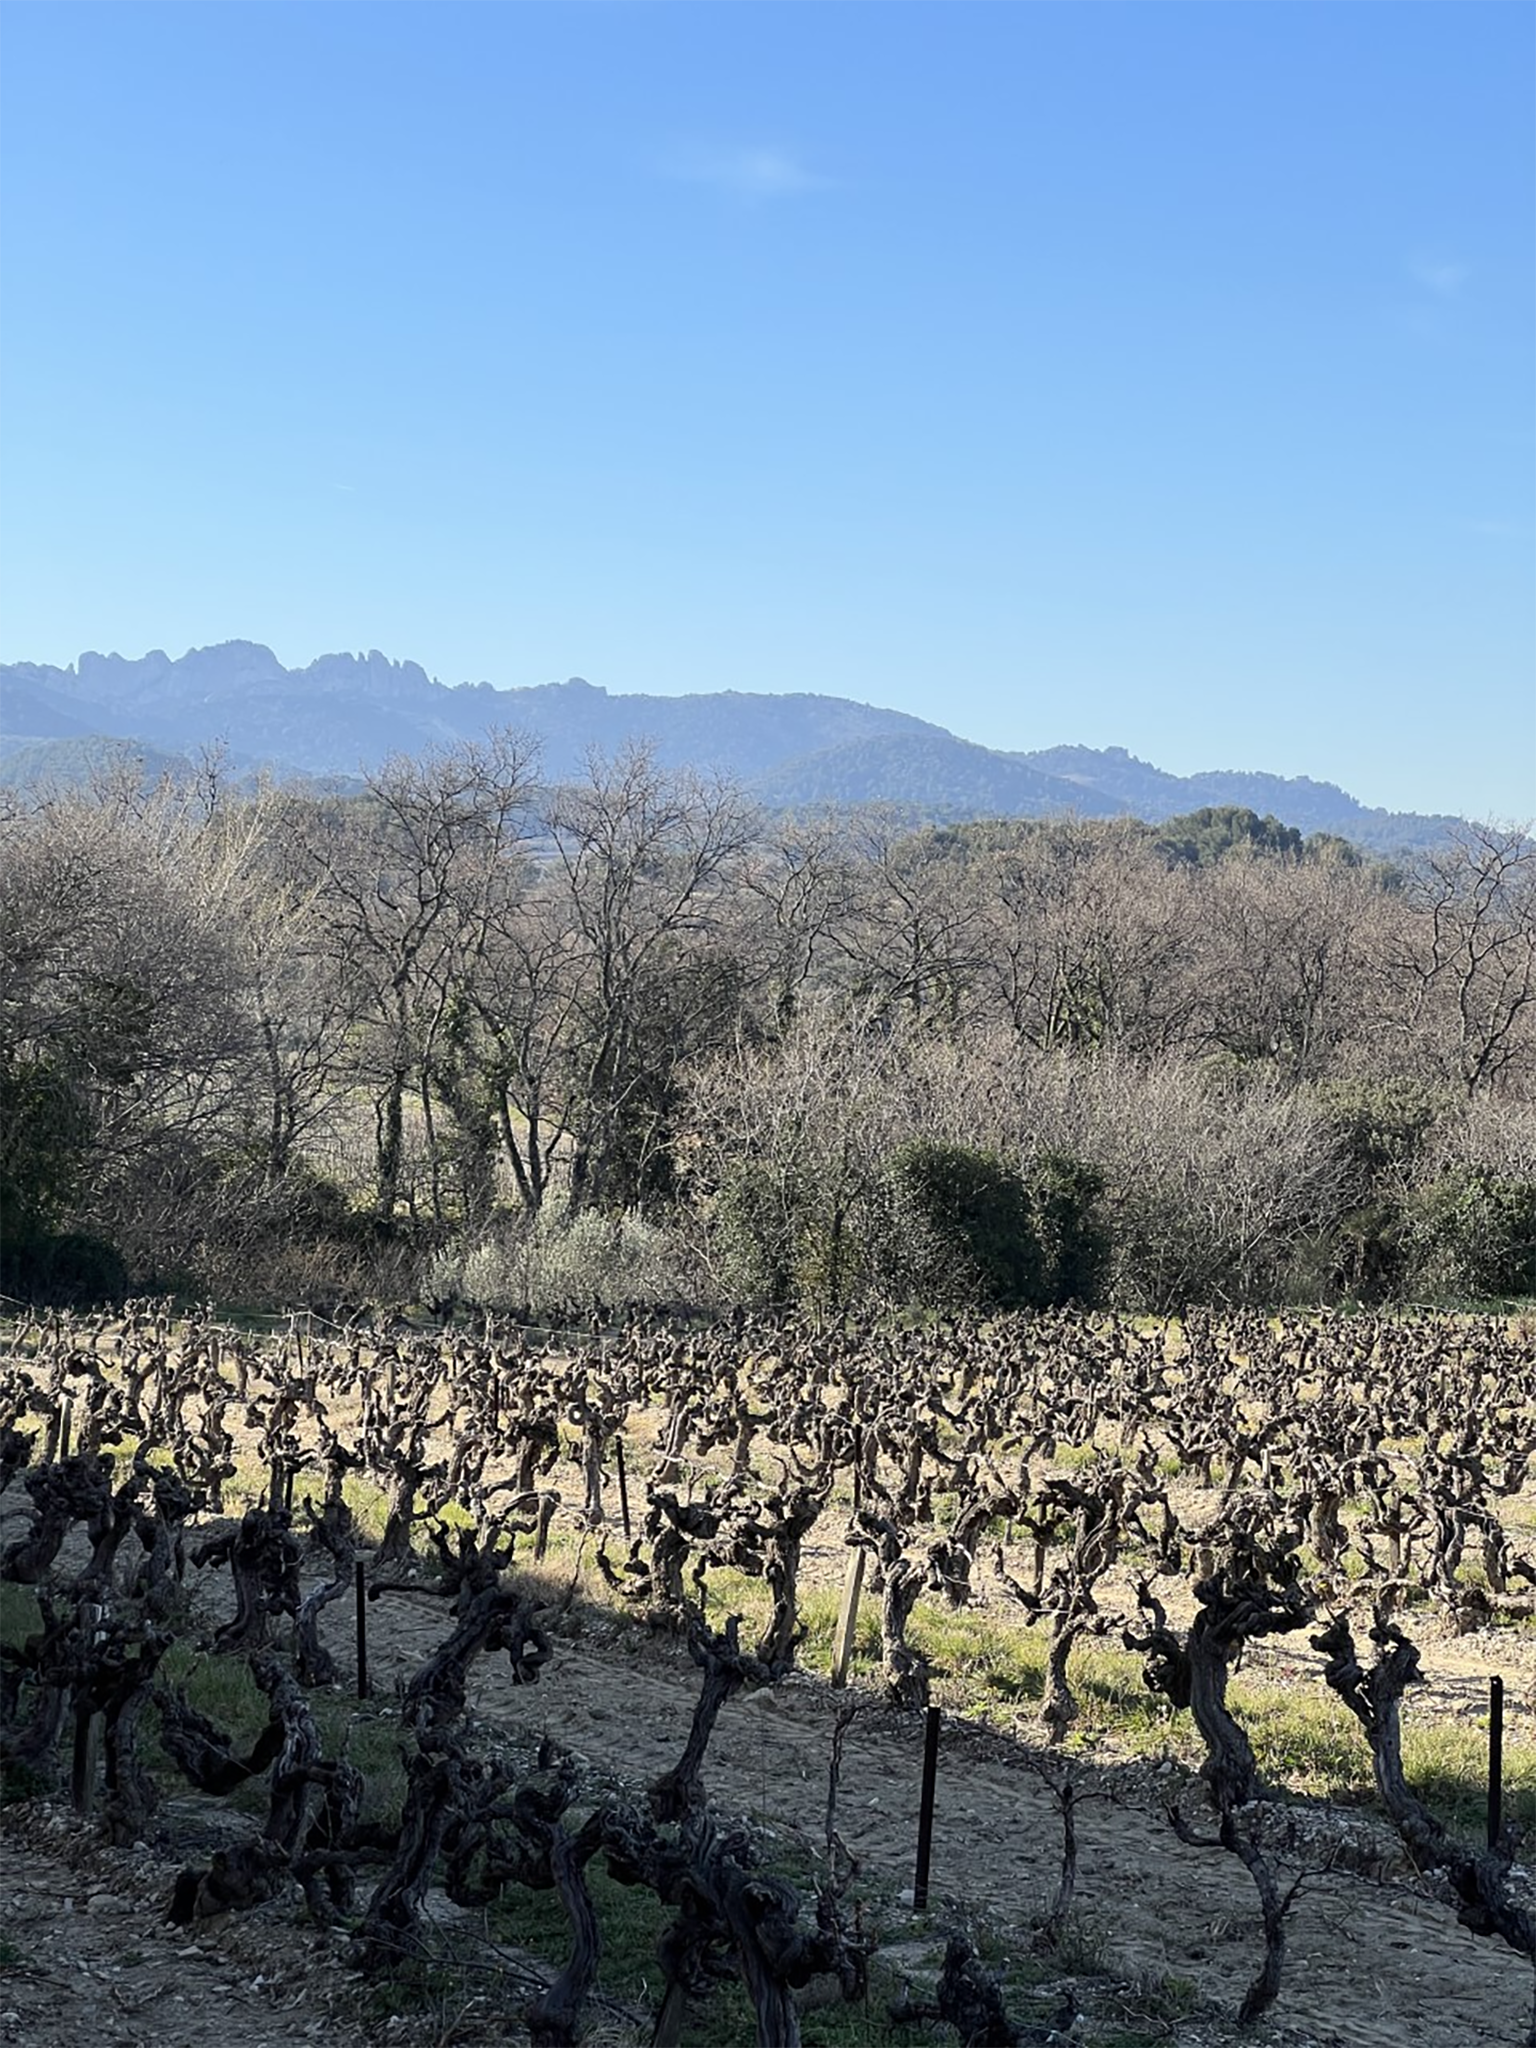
x,y
1154,375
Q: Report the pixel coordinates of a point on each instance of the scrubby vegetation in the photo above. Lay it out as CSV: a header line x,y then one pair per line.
x,y
471,1038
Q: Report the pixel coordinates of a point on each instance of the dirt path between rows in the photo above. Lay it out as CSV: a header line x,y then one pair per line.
x,y
85,1954
1370,1965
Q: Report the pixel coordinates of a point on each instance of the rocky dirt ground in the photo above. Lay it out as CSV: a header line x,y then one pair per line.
x,y
87,1956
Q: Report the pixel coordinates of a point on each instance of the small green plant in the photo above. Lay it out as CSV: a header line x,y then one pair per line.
x,y
1081,1949
1149,2008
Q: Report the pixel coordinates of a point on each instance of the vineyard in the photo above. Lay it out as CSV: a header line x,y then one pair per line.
x,y
573,1684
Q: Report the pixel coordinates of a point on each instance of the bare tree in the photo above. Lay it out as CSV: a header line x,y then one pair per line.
x,y
787,1143
645,859
914,931
1287,975
1460,968
1093,939
1211,1182
799,885
257,869
411,884
120,997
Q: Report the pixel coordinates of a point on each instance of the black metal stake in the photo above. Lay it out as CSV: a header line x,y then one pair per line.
x,y
361,1583
1495,1761
618,1459
925,1811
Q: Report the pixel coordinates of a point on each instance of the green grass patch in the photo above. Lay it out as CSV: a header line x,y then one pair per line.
x,y
20,1617
222,1688
369,1739
633,1922
1446,1763
1303,1737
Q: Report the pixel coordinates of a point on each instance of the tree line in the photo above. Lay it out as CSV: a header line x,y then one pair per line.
x,y
477,1038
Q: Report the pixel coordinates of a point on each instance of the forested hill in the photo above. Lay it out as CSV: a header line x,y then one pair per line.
x,y
946,780
345,713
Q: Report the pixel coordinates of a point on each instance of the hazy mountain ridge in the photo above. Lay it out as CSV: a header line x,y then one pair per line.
x,y
957,778
346,712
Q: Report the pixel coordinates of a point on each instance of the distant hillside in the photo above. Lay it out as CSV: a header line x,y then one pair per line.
x,y
347,713
951,779
33,709
88,758
947,781
1150,793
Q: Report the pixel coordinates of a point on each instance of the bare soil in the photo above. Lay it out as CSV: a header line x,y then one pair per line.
x,y
88,1957
1372,1964
86,1954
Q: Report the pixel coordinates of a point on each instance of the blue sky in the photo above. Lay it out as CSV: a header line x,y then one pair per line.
x,y
1152,375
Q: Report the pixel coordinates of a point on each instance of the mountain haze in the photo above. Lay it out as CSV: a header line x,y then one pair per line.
x,y
344,714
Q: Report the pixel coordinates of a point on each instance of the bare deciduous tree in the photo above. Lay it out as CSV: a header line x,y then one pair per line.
x,y
1460,968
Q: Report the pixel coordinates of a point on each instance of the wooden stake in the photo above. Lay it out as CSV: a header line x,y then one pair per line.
x,y
548,1502
848,1617
82,1770
82,1773
618,1459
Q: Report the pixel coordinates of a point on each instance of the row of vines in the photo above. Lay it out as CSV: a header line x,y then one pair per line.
x,y
1186,1488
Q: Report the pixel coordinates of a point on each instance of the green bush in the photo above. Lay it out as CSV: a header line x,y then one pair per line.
x,y
813,1238
962,1229
755,1233
1369,1248
1384,1130
944,1224
44,1137
1473,1234
1383,1127
64,1269
1076,1247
